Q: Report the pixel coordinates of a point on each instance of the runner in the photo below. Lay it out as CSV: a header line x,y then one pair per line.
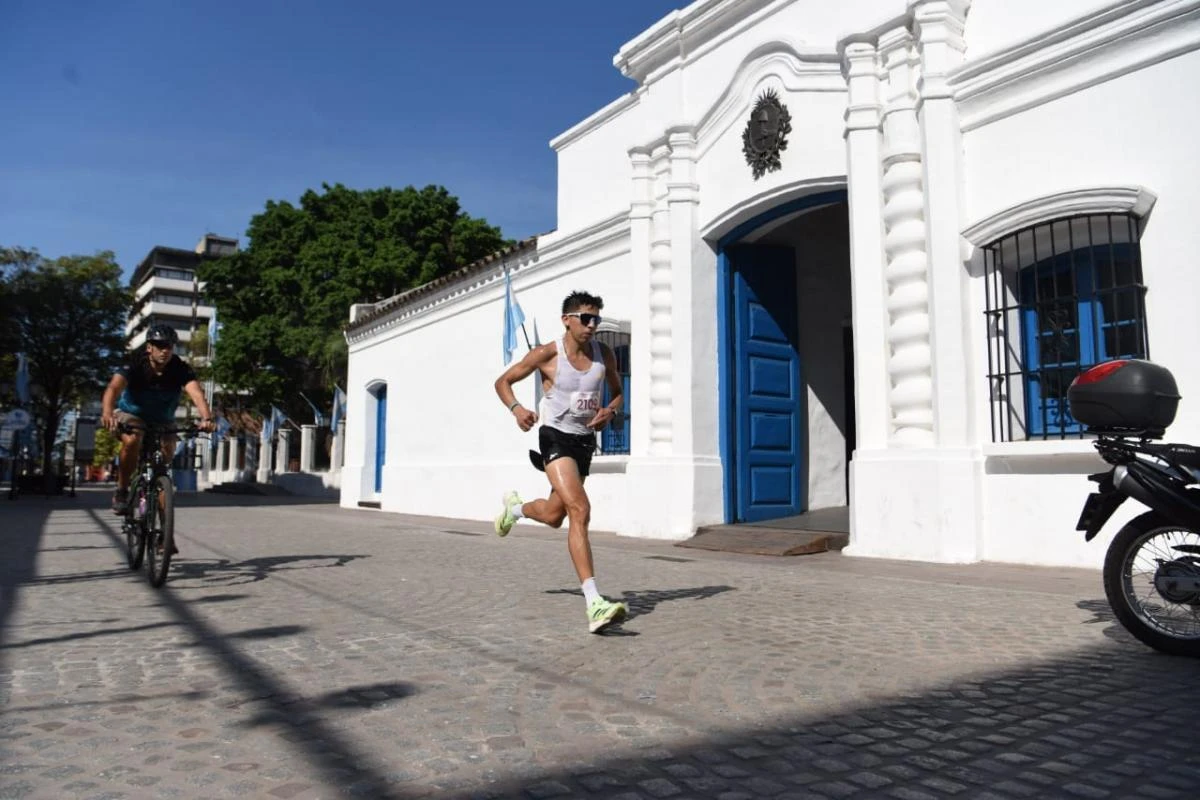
x,y
573,371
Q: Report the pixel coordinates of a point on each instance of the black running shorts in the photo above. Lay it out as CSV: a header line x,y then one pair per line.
x,y
556,444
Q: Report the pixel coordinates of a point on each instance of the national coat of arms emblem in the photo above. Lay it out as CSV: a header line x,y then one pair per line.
x,y
766,133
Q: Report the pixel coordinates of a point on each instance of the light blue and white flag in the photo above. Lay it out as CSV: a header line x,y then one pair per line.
x,y
213,329
514,318
278,418
537,374
339,408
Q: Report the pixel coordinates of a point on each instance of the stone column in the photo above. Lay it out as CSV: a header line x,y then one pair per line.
x,y
908,333
308,446
282,447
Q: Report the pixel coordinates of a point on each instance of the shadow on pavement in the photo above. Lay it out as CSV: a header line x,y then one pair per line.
x,y
24,526
70,637
209,571
352,698
642,602
218,598
98,495
1107,723
332,755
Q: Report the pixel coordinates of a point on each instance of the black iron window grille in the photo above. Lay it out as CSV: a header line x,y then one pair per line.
x,y
1061,297
614,439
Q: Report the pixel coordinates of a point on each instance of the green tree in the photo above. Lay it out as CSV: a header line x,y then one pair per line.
x,y
67,316
282,302
107,447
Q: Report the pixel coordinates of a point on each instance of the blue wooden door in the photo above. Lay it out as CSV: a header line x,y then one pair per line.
x,y
768,406
380,435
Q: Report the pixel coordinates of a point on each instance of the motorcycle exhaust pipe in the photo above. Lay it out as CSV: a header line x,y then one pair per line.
x,y
1159,494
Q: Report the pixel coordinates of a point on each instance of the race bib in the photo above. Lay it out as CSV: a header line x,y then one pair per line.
x,y
584,405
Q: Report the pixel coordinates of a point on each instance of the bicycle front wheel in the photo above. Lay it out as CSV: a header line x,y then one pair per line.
x,y
160,529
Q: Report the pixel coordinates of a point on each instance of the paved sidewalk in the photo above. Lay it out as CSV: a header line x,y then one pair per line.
x,y
303,651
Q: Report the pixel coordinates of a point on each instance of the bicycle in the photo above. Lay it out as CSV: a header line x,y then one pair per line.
x,y
149,523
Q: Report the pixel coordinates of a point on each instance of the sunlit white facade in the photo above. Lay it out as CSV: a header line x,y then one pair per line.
x,y
972,200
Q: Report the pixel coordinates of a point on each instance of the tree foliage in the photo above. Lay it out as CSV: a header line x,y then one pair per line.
x,y
67,315
282,302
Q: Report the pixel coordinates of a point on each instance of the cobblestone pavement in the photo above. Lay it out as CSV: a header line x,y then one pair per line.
x,y
301,651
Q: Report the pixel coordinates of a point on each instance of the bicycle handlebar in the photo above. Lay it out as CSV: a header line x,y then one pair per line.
x,y
187,431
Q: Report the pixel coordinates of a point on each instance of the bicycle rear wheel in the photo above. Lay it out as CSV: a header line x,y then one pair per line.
x,y
160,529
135,535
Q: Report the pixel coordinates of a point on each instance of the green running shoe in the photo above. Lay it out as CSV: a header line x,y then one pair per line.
x,y
602,613
505,519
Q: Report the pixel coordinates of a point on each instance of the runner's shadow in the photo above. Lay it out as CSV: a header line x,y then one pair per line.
x,y
645,601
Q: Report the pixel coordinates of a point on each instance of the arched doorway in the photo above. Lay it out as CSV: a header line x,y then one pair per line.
x,y
375,439
786,359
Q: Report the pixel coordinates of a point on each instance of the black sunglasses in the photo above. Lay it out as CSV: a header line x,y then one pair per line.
x,y
586,319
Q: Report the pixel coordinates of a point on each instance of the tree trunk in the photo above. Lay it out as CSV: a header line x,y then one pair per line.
x,y
49,478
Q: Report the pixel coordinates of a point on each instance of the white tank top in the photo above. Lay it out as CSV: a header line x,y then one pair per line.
x,y
574,398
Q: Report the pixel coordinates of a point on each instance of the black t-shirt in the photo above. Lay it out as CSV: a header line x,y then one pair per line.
x,y
151,397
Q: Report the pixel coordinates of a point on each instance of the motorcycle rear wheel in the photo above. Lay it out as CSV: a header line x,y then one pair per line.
x,y
1142,550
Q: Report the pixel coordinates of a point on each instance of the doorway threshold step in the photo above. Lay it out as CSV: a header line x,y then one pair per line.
x,y
760,539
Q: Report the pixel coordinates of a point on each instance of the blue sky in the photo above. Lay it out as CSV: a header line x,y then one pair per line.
x,y
133,123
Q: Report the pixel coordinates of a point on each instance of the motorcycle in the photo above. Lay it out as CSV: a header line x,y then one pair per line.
x,y
1152,566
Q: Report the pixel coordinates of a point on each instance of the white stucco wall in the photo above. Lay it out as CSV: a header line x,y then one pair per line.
x,y
452,447
1050,100
1133,130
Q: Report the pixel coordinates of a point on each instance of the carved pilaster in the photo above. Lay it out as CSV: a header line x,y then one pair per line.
x,y
906,273
660,306
864,148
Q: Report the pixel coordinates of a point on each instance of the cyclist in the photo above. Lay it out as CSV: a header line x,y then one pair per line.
x,y
147,390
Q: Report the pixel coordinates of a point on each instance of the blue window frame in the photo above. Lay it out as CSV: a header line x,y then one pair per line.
x,y
1079,306
614,439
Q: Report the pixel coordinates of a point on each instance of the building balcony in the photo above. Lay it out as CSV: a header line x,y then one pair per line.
x,y
171,311
159,283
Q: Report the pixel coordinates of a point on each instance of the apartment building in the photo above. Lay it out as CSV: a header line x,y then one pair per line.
x,y
168,289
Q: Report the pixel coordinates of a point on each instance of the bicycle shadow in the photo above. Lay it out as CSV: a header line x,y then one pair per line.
x,y
205,572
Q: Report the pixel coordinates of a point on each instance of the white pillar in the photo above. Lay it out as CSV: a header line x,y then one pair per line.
x,y
264,457
920,495
661,324
640,212
939,27
908,333
338,450
864,149
282,446
308,446
235,449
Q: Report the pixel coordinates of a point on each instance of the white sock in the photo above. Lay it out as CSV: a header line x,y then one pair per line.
x,y
517,511
590,592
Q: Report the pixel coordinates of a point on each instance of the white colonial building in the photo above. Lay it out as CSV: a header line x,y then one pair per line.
x,y
854,252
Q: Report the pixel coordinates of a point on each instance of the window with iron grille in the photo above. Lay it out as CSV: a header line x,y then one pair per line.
x,y
614,439
1062,296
